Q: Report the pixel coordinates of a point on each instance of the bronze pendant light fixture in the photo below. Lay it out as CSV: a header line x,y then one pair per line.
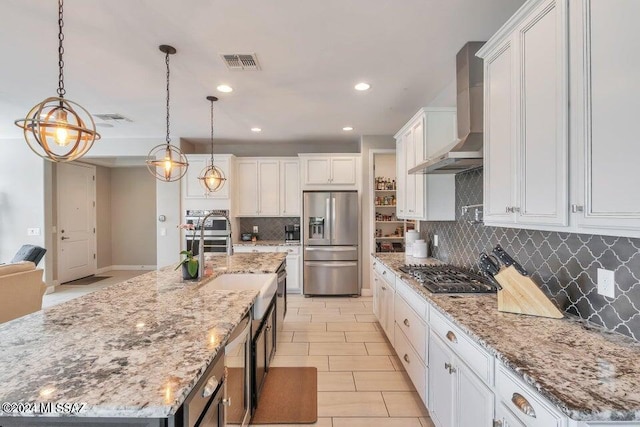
x,y
212,178
165,161
57,129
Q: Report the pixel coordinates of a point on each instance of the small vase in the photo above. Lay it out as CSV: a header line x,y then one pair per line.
x,y
185,273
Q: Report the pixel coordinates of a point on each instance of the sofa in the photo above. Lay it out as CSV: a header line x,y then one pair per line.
x,y
21,290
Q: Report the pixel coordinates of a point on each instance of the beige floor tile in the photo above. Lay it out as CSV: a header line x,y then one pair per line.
x,y
404,404
303,326
297,318
337,349
336,381
351,327
363,299
318,310
355,310
383,381
302,302
369,304
376,422
311,336
322,422
360,363
285,336
427,422
379,349
319,362
397,364
366,318
375,336
331,318
292,349
350,404
353,302
378,326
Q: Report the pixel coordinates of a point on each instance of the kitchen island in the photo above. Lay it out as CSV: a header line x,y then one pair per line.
x,y
134,350
588,375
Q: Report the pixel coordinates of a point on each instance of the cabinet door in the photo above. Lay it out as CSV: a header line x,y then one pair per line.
x,y
418,135
401,178
543,116
606,102
191,186
269,187
247,193
389,306
375,289
499,142
290,188
441,383
343,170
474,400
317,170
508,419
293,273
410,180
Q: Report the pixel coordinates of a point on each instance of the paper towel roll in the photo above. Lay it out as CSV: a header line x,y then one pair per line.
x,y
420,249
409,238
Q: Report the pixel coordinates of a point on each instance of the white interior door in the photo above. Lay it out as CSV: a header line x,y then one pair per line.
x,y
76,190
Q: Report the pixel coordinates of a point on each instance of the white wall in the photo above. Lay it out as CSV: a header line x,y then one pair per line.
x,y
21,197
168,235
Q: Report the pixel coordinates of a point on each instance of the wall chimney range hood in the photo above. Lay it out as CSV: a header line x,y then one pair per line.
x,y
465,153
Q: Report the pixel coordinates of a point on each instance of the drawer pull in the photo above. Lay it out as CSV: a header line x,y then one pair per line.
x,y
406,322
498,423
384,272
523,404
384,289
227,401
210,386
449,367
406,358
452,337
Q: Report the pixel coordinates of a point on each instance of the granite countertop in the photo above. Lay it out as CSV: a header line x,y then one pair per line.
x,y
587,373
134,349
266,243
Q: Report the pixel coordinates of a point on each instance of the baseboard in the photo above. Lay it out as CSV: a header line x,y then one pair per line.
x,y
366,292
133,267
51,289
104,269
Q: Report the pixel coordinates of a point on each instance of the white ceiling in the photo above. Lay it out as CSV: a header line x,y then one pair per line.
x,y
311,53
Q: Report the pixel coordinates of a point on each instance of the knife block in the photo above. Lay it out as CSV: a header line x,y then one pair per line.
x,y
521,295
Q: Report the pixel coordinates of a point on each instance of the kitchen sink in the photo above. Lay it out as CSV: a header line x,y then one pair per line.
x,y
267,284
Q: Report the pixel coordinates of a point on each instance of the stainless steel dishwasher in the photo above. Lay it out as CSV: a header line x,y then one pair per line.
x,y
205,405
237,364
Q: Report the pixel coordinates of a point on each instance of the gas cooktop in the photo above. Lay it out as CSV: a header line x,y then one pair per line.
x,y
447,279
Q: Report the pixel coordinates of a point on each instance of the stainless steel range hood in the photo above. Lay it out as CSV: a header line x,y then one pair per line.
x,y
465,153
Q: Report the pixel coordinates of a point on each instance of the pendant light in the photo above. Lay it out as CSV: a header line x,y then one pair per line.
x,y
165,161
212,178
57,129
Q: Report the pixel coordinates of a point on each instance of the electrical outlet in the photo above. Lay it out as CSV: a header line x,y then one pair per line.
x,y
255,229
435,240
606,283
163,231
33,231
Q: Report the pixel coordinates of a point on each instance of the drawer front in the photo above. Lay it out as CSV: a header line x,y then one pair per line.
x,y
480,361
416,370
414,328
527,405
254,249
290,250
385,273
417,302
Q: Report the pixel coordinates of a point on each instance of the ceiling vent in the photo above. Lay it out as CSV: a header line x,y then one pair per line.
x,y
241,61
114,117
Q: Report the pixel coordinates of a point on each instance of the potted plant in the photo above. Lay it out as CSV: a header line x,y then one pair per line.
x,y
189,264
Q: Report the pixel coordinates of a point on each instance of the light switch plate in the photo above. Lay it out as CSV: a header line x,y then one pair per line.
x,y
606,283
33,231
435,240
255,228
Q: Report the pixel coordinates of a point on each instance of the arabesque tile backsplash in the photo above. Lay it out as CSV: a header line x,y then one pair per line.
x,y
269,228
563,264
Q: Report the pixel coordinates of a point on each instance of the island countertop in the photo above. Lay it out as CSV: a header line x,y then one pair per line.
x,y
134,349
587,373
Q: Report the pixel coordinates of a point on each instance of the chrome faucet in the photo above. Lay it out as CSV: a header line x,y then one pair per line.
x,y
221,214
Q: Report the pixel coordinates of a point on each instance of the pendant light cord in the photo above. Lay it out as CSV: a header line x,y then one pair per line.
x,y
211,133
61,90
166,60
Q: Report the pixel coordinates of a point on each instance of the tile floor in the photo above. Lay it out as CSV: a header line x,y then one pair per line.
x,y
360,380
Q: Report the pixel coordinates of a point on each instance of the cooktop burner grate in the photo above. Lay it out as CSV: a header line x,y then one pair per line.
x,y
448,279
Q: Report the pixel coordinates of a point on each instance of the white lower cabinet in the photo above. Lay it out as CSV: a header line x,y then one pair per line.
x,y
294,283
441,385
384,293
506,418
412,362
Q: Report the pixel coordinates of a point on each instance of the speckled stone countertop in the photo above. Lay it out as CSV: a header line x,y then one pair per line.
x,y
134,349
587,373
266,243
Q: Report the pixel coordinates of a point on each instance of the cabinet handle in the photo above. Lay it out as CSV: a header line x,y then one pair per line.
x,y
406,322
449,367
452,337
523,404
384,289
384,272
226,401
515,209
406,358
210,386
254,250
498,423
577,208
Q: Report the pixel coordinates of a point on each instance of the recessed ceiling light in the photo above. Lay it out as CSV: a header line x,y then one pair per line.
x,y
347,128
225,88
256,130
362,86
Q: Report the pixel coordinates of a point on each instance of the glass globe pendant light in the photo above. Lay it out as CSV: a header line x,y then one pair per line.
x,y
165,161
212,178
57,129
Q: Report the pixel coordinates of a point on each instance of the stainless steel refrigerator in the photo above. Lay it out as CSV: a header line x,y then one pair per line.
x,y
330,253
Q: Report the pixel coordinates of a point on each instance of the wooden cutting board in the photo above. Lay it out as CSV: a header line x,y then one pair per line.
x,y
521,295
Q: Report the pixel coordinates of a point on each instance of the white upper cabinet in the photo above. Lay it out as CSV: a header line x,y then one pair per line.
x,y
321,171
425,197
269,187
290,187
191,186
247,189
605,100
526,118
